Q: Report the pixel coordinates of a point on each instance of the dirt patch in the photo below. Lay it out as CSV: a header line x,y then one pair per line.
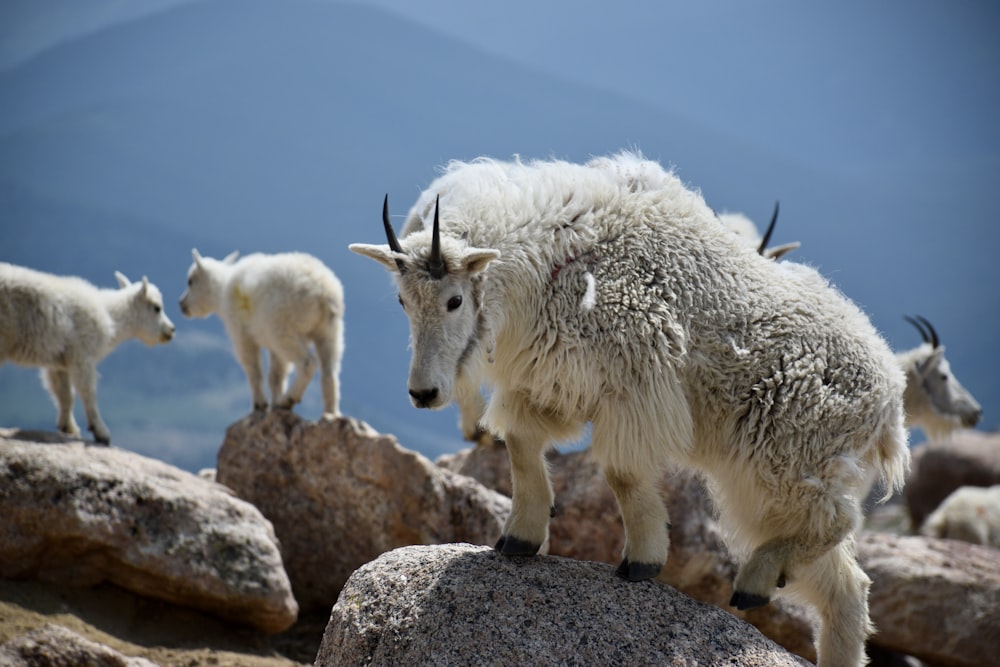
x,y
169,635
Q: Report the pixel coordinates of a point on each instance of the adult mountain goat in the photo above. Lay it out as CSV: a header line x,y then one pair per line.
x,y
607,293
66,326
287,303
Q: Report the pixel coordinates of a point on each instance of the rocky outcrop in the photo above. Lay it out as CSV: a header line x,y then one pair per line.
x,y
82,515
937,600
339,494
460,604
587,526
970,458
56,646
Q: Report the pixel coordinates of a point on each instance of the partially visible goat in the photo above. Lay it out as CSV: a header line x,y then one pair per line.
x,y
66,326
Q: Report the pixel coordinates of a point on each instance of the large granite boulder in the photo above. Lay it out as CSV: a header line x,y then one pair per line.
x,y
937,600
339,494
587,526
55,646
83,515
969,458
464,605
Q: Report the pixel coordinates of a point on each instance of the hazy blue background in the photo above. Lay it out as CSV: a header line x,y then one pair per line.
x,y
131,132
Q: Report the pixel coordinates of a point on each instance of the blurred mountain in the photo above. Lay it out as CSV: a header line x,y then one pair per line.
x,y
260,125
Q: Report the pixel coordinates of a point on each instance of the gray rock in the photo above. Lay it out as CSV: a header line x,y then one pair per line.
x,y
339,494
937,600
587,526
82,515
969,458
466,605
56,646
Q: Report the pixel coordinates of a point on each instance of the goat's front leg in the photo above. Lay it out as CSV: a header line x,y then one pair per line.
x,y
527,526
84,379
646,522
248,354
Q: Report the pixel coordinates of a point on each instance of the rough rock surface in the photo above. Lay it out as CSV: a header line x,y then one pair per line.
x,y
466,605
970,458
82,515
339,494
937,600
587,526
55,646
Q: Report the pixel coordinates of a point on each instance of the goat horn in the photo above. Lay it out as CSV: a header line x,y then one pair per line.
x,y
770,229
935,341
923,333
436,262
390,235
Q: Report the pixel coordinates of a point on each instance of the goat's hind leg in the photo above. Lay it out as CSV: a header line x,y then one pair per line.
x,y
838,588
56,380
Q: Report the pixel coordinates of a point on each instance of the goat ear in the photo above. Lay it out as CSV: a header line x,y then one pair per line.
x,y
122,280
145,285
779,251
196,256
231,257
476,259
383,254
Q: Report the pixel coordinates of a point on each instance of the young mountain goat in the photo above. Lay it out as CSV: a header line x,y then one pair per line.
x,y
584,294
284,303
66,325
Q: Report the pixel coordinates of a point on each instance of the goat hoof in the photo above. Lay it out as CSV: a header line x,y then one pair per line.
x,y
512,546
744,601
260,407
637,571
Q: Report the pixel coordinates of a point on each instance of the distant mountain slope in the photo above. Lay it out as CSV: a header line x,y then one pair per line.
x,y
261,125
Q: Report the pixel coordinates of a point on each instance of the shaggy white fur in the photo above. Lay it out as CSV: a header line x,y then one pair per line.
x,y
288,304
694,350
66,326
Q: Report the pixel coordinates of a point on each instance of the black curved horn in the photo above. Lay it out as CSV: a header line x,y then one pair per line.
x,y
935,341
920,327
390,235
435,263
770,229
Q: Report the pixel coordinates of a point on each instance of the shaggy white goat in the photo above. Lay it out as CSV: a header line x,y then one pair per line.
x,y
283,303
65,325
607,293
934,400
970,514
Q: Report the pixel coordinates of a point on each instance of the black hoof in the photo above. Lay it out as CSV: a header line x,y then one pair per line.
x,y
511,546
743,601
637,571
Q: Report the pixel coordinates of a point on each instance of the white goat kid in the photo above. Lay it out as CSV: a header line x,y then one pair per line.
x,y
65,325
284,303
607,293
935,401
970,514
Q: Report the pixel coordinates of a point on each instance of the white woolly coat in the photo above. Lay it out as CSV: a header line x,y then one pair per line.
x,y
617,293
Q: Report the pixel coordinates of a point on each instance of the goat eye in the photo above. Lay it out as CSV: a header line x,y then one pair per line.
x,y
156,308
454,302
190,282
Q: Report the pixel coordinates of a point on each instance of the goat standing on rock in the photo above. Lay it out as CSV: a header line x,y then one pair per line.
x,y
284,303
67,325
583,295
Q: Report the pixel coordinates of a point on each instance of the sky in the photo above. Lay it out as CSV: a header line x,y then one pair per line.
x,y
894,103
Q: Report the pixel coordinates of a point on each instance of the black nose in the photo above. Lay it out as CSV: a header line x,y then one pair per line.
x,y
423,397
